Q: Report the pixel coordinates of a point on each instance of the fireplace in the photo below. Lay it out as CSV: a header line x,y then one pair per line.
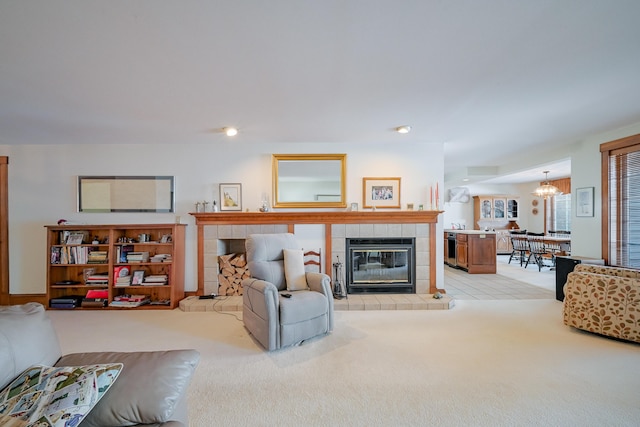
x,y
380,265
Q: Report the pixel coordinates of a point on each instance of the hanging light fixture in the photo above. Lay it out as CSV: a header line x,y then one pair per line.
x,y
547,190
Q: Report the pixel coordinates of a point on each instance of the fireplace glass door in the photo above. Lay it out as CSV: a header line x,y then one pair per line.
x,y
380,265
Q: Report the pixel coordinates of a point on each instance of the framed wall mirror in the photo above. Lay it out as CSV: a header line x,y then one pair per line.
x,y
309,180
126,194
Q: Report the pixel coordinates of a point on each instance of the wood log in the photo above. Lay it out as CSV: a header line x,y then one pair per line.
x,y
239,261
233,269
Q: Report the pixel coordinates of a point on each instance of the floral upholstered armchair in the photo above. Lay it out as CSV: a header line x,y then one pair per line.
x,y
603,300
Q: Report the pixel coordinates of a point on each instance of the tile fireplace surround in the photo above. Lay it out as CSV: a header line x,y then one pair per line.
x,y
221,233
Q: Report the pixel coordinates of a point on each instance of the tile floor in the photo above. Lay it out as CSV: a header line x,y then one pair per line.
x,y
511,282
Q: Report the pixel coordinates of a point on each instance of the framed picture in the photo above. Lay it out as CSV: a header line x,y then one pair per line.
x,y
230,197
354,207
584,201
381,193
138,277
75,238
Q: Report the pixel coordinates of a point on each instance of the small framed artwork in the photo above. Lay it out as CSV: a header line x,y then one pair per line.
x,y
138,277
354,207
381,193
584,201
230,197
75,238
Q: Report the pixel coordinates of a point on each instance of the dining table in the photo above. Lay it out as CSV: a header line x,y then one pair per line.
x,y
560,244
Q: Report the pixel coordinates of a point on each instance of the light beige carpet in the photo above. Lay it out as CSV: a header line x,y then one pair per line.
x,y
483,363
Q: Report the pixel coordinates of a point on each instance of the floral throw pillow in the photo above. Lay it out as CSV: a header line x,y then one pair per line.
x,y
55,396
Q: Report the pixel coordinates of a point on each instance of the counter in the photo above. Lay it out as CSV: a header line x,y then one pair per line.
x,y
471,250
456,231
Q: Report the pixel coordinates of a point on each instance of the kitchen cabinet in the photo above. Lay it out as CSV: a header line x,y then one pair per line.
x,y
513,205
503,242
475,251
462,246
495,208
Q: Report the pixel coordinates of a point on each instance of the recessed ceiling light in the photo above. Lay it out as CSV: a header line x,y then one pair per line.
x,y
403,129
230,131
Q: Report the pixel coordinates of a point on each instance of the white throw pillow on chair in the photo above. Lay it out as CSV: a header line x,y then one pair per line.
x,y
294,272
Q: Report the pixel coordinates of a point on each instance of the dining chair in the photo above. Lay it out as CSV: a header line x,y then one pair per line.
x,y
520,247
539,252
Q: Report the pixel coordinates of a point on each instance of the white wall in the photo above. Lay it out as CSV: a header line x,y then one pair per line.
x,y
586,232
42,186
462,213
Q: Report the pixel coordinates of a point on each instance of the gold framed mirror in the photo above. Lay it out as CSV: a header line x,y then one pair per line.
x,y
309,180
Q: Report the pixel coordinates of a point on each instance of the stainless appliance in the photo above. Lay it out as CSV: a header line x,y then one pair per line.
x,y
450,250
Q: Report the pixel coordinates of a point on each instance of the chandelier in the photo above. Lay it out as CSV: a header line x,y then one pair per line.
x,y
547,190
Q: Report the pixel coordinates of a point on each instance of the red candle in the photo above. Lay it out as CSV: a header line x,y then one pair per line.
x,y
430,195
437,199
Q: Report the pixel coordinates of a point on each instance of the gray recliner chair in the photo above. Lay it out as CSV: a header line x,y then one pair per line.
x,y
274,320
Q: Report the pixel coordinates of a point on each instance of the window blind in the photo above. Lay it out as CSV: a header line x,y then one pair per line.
x,y
624,207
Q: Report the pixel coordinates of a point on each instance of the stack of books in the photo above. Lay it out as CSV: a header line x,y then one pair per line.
x,y
156,279
95,298
137,257
123,280
68,301
97,257
122,251
121,276
130,301
161,258
97,279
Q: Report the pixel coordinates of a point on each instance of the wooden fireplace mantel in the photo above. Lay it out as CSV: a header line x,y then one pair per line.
x,y
335,217
327,218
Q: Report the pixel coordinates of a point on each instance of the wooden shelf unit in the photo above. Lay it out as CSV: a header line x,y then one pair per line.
x,y
111,238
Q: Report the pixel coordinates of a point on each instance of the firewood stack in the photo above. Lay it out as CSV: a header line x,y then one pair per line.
x,y
233,269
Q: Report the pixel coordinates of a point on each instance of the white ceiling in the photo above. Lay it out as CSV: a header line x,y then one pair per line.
x,y
498,81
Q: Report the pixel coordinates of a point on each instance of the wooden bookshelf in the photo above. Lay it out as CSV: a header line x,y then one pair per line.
x,y
68,264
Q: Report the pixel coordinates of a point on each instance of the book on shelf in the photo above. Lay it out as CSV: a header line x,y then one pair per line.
x,y
122,251
88,272
121,275
97,293
94,302
95,298
123,281
156,279
131,297
95,257
126,300
128,304
67,283
161,258
77,255
66,301
56,254
137,256
62,305
63,236
97,279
